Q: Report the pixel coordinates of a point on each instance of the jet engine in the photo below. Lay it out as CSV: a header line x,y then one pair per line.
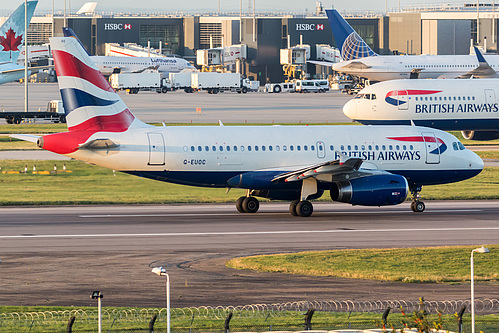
x,y
375,190
480,135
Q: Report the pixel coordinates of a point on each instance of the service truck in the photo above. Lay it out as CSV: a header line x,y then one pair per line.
x,y
181,80
54,113
132,83
215,82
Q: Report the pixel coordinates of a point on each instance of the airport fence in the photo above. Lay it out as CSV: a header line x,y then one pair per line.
x,y
292,316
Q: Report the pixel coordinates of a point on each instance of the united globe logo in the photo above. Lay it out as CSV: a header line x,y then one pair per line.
x,y
354,48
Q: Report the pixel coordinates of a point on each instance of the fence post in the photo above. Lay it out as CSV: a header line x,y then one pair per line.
x,y
460,318
308,319
385,317
70,324
151,323
227,323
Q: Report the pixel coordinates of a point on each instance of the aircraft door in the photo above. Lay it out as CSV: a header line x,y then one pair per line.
x,y
403,100
432,148
156,149
321,149
490,96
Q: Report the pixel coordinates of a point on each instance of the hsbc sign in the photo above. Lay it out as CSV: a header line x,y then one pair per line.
x,y
117,26
309,27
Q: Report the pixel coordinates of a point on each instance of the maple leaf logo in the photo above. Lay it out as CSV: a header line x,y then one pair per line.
x,y
10,42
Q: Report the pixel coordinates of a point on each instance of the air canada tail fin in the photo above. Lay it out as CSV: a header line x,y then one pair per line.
x,y
12,32
90,103
68,32
351,45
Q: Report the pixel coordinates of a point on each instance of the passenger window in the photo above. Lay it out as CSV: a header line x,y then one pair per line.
x,y
249,148
298,148
363,147
320,148
356,147
404,147
390,147
383,147
228,148
277,148
206,148
185,148
200,148
192,148
270,148
214,148
221,148
256,148
349,147
291,148
235,148
331,147
411,147
370,147
312,148
263,148
305,147
242,148
284,148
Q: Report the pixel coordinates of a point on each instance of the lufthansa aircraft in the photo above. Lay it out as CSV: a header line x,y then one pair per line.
x,y
11,39
370,165
360,60
466,105
111,65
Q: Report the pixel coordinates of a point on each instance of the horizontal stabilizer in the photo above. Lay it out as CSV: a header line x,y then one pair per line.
x,y
99,144
26,137
31,69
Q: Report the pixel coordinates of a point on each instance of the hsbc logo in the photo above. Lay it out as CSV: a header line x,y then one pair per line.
x,y
117,26
309,27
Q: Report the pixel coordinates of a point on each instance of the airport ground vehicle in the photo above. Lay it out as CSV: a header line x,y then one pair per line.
x,y
54,113
181,81
135,82
280,87
215,82
304,86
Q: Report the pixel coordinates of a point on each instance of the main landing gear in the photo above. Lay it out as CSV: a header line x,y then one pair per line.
x,y
417,206
301,208
247,205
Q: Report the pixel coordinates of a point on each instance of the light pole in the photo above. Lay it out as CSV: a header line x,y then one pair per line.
x,y
98,295
161,271
477,250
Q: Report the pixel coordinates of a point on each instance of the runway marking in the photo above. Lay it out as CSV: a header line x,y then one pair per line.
x,y
231,214
246,233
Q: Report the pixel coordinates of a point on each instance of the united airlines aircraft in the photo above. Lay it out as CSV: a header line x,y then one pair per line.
x,y
12,36
111,65
466,105
372,166
360,60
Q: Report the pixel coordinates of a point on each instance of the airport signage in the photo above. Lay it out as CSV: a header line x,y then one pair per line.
x,y
309,27
117,26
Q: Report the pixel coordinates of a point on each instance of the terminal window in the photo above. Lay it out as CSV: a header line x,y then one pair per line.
x,y
168,34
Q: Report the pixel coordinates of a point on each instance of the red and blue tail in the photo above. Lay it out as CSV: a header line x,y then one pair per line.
x,y
90,103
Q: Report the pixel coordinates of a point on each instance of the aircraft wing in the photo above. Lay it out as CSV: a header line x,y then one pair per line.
x,y
355,65
333,168
26,137
146,68
483,70
31,69
99,144
322,63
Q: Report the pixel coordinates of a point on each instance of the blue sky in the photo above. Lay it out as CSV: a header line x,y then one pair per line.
x,y
228,5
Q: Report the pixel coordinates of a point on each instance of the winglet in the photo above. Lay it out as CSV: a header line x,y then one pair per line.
x,y
479,55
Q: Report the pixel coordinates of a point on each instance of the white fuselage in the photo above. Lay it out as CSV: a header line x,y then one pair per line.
x,y
209,156
455,104
110,65
383,68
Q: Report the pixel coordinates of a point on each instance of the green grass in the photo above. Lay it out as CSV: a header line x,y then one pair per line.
x,y
211,320
89,184
415,265
494,154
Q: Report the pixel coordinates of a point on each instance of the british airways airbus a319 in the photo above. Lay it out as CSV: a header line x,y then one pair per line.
x,y
372,166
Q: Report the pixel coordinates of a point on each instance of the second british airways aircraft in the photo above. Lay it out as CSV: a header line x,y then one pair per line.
x,y
371,166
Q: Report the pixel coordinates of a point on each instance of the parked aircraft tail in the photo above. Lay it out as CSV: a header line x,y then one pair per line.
x,y
90,103
12,33
68,32
350,44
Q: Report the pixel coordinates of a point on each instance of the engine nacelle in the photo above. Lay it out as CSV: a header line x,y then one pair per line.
x,y
480,135
376,190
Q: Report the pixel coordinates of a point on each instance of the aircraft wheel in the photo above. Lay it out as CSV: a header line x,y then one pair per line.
x,y
250,205
304,208
277,89
419,207
164,90
239,204
244,90
17,120
292,207
62,119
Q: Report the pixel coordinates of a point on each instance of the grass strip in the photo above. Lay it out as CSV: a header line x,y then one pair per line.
x,y
414,265
90,184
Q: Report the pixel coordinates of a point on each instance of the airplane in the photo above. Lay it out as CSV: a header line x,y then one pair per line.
x,y
467,105
11,39
370,166
360,60
111,65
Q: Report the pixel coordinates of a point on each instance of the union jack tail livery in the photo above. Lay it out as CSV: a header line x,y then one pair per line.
x,y
12,33
350,44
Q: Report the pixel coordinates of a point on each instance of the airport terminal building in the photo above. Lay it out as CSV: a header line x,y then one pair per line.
x,y
441,29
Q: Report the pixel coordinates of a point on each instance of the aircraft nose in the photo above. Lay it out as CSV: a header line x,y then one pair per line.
x,y
475,162
350,109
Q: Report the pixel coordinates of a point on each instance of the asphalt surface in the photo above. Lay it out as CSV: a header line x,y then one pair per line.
x,y
180,107
59,255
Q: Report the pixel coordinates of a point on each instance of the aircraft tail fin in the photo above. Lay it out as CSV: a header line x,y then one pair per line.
x,y
12,32
350,44
90,103
68,32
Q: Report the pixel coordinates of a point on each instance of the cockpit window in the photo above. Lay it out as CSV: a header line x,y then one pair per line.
x,y
458,146
461,146
359,96
373,96
367,96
